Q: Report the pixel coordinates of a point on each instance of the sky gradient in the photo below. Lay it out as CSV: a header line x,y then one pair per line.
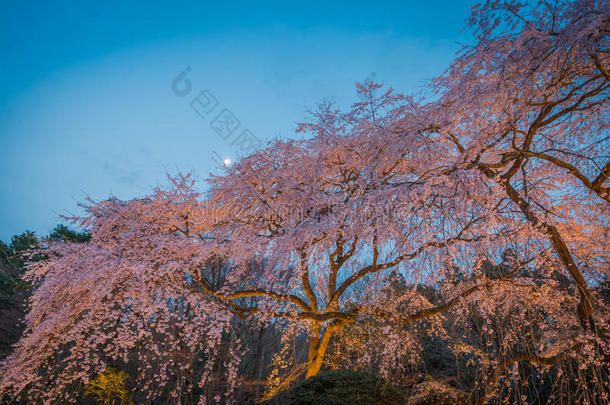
x,y
86,100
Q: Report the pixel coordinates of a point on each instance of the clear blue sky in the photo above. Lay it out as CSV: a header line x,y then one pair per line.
x,y
86,105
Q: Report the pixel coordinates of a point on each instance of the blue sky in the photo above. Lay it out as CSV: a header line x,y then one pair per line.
x,y
86,100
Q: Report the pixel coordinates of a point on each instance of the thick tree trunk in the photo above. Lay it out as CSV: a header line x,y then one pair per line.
x,y
314,342
315,363
318,343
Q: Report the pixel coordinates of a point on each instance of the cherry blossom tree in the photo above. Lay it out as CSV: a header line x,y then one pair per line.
x,y
507,164
123,294
527,107
287,233
323,214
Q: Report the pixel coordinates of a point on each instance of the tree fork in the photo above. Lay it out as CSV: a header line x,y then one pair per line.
x,y
318,344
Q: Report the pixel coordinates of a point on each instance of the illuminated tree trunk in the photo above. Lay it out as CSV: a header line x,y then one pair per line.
x,y
318,343
313,363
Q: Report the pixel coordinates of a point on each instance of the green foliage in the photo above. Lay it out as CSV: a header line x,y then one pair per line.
x,y
23,242
20,249
12,260
109,388
340,387
14,291
9,273
62,233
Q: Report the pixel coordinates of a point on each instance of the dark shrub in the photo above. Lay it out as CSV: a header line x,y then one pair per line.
x,y
340,387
